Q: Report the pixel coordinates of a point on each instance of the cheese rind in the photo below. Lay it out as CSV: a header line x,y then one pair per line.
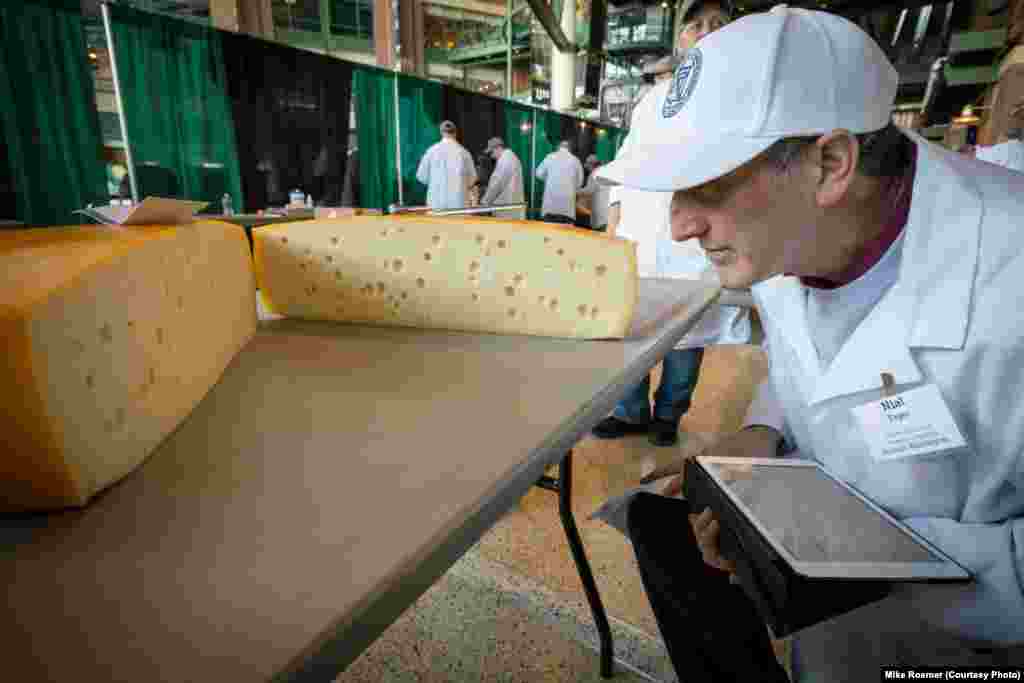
x,y
111,337
481,275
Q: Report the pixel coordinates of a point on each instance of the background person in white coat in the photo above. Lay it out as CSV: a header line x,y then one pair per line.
x,y
505,185
870,251
562,174
598,196
448,171
644,217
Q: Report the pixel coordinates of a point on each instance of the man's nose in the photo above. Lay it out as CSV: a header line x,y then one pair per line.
x,y
687,225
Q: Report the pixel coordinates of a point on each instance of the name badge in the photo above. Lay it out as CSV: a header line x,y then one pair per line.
x,y
915,422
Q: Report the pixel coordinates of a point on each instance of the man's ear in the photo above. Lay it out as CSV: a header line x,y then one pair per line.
x,y
836,156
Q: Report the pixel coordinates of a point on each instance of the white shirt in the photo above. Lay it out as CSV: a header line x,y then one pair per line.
x,y
599,198
448,171
506,183
562,174
1008,154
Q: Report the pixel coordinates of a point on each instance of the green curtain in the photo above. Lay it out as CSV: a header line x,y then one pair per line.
x,y
518,136
48,111
420,105
176,106
373,92
605,147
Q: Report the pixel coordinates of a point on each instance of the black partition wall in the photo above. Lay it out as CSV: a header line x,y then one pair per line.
x,y
291,114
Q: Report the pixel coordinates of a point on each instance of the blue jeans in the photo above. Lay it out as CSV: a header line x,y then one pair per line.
x,y
679,372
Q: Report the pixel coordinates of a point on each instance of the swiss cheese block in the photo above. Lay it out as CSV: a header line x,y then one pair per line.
x,y
111,336
488,275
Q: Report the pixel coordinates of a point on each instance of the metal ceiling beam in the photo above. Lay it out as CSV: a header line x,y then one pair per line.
x,y
550,23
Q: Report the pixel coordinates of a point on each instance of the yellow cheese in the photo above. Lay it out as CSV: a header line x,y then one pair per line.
x,y
489,275
111,336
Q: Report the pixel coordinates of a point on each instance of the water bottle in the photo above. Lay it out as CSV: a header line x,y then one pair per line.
x,y
225,202
295,198
309,201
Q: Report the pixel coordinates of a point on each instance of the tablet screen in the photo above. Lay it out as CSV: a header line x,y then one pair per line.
x,y
815,518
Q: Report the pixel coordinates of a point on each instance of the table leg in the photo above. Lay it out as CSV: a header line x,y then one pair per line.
x,y
564,488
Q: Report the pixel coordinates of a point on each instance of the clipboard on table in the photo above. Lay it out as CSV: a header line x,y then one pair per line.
x,y
151,211
807,546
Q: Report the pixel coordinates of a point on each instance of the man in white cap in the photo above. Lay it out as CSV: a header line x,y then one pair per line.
x,y
448,171
597,193
506,182
562,175
643,217
872,253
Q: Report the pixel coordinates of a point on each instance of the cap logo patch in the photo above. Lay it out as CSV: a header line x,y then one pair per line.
x,y
683,82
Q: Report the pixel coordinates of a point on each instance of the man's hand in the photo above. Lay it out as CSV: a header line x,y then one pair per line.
x,y
705,528
753,442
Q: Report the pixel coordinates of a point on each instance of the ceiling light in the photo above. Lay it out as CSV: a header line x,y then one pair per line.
x,y
93,55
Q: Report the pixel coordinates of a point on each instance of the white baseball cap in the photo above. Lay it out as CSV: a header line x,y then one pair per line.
x,y
784,73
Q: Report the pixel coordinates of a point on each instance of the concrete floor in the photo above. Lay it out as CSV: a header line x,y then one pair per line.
x,y
513,610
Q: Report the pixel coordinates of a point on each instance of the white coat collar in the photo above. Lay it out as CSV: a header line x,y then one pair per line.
x,y
927,307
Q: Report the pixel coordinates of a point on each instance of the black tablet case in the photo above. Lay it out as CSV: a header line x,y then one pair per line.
x,y
786,600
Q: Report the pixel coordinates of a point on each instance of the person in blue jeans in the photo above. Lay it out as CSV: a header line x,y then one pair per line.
x,y
635,414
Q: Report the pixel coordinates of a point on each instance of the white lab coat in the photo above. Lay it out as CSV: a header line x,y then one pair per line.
x,y
448,171
600,195
1009,154
953,318
506,185
562,174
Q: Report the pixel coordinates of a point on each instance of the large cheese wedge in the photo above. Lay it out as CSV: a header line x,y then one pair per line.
x,y
111,336
489,275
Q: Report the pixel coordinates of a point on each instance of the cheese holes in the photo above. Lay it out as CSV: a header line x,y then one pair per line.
x,y
601,270
106,333
151,376
427,256
90,381
131,324
582,308
553,304
510,291
381,287
474,266
480,239
159,335
541,299
502,244
334,241
329,258
337,275
519,279
572,265
284,240
593,313
476,297
547,240
405,295
511,312
436,240
384,233
421,283
560,252
398,264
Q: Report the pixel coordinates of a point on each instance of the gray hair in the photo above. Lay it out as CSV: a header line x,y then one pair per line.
x,y
1015,133
884,153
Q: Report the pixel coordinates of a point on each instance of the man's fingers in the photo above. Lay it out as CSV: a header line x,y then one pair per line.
x,y
674,487
662,472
